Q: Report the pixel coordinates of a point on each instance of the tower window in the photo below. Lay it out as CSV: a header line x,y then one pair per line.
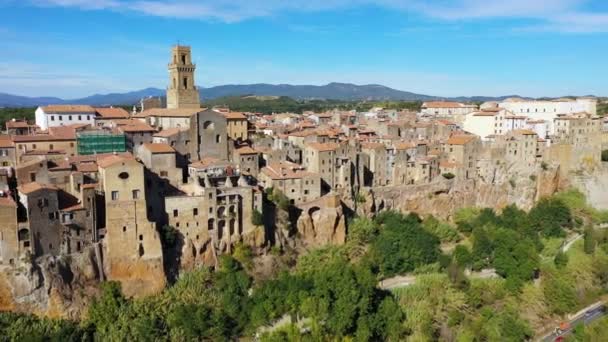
x,y
185,82
184,59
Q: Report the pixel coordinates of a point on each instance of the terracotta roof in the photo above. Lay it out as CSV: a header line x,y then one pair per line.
x,y
43,152
285,170
324,147
460,139
372,145
68,109
207,162
140,127
444,104
485,113
29,188
159,148
168,132
246,150
445,122
73,208
18,124
112,113
6,142
403,145
113,159
87,167
234,116
7,202
524,132
169,112
449,165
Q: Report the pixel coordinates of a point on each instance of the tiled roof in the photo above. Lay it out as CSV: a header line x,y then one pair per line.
x,y
29,188
139,127
460,139
68,109
524,132
7,202
246,150
113,159
207,162
6,142
234,116
444,104
372,145
112,113
168,132
324,147
159,148
403,145
285,170
18,124
169,112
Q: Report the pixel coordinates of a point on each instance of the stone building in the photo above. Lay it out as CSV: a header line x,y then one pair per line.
x,y
20,127
8,156
40,203
182,91
463,149
59,141
136,135
293,180
10,245
237,126
331,162
106,115
248,160
134,252
376,171
212,135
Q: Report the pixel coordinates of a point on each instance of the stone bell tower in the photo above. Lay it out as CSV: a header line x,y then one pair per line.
x,y
182,92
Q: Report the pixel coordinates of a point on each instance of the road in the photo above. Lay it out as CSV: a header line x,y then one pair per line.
x,y
408,280
591,314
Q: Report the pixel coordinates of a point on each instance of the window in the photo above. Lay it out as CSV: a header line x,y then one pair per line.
x,y
124,229
59,117
195,211
218,139
52,118
185,82
51,216
33,146
135,194
175,213
51,147
114,195
163,173
71,144
183,59
70,117
79,117
88,117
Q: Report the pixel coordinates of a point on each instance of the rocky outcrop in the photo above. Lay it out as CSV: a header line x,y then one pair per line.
x,y
138,277
444,197
322,222
51,286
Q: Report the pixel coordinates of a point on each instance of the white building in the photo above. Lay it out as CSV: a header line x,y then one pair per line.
x,y
63,115
487,123
540,127
548,110
440,108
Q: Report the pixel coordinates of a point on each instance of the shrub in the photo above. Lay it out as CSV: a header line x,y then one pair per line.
x,y
257,219
448,175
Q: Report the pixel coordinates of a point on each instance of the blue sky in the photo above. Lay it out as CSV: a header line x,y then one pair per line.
x,y
74,48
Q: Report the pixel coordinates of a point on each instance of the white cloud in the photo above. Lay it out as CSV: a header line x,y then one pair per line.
x,y
554,15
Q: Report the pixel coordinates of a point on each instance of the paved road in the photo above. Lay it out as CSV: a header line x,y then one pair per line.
x,y
408,280
591,314
569,243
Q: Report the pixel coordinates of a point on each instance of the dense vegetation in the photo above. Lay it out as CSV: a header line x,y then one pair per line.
x,y
269,105
332,294
6,114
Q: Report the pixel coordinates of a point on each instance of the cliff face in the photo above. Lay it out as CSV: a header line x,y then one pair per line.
x,y
51,286
443,198
322,223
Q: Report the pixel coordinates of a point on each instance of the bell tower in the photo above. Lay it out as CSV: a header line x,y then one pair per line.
x,y
182,92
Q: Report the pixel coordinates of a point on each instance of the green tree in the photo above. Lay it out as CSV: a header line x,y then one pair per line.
x,y
589,240
549,217
561,259
257,219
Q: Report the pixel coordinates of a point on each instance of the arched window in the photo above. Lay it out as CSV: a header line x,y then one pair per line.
x,y
209,125
218,139
185,82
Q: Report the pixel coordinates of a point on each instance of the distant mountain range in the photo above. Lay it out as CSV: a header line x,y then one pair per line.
x,y
332,91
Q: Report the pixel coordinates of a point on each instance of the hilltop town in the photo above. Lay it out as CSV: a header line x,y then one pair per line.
x,y
139,197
